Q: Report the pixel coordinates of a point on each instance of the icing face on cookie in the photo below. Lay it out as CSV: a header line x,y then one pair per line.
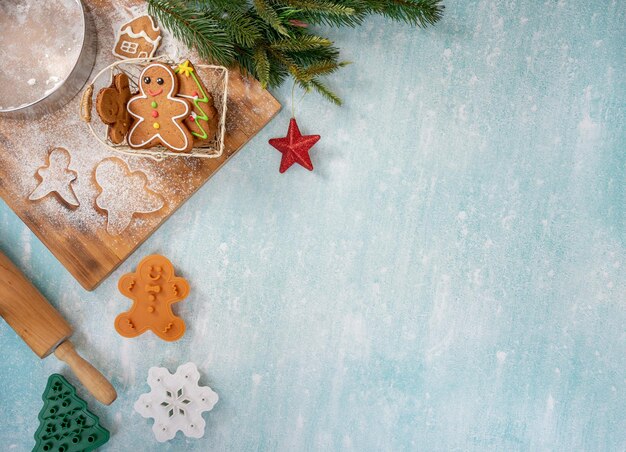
x,y
156,80
159,113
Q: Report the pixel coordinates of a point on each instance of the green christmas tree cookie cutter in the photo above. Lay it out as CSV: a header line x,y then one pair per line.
x,y
65,422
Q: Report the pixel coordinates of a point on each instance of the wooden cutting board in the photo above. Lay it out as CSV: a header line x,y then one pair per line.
x,y
78,236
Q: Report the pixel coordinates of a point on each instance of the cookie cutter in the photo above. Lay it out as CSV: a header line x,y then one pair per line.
x,y
73,82
176,402
153,288
65,422
214,77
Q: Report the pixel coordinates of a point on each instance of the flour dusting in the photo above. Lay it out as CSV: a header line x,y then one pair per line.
x,y
51,51
56,177
123,194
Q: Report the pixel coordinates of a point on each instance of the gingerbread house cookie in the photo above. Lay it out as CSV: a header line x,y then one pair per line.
x,y
138,38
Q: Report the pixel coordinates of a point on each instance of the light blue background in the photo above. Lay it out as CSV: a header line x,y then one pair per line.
x,y
452,276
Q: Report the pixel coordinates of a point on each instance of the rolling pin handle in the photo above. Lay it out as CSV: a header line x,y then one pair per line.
x,y
88,375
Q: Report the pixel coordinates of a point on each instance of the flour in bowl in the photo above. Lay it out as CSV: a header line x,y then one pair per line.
x,y
39,45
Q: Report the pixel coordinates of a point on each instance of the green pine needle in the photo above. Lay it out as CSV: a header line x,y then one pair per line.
x,y
320,7
271,39
326,92
201,33
323,12
242,29
324,67
414,12
269,15
262,66
301,43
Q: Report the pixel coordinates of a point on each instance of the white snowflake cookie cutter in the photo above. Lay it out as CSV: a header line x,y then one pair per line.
x,y
176,402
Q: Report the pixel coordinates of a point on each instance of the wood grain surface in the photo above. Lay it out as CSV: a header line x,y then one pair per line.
x,y
26,310
43,328
78,237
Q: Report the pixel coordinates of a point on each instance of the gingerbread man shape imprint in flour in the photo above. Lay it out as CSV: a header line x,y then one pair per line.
x,y
158,112
57,178
153,289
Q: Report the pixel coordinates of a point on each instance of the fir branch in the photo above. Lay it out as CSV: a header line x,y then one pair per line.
x,y
270,39
300,43
414,12
262,66
324,67
332,12
201,33
315,55
323,12
269,15
218,5
242,29
320,7
326,92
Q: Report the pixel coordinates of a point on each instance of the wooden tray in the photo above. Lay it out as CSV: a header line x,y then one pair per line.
x,y
78,237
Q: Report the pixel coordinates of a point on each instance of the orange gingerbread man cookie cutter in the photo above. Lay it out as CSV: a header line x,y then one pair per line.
x,y
153,288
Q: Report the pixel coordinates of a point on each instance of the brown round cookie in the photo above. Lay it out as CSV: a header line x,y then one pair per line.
x,y
158,112
111,107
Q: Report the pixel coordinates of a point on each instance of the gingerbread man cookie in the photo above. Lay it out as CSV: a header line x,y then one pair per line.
x,y
111,107
158,112
153,289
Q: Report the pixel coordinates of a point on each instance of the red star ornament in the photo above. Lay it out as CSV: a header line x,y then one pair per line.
x,y
295,147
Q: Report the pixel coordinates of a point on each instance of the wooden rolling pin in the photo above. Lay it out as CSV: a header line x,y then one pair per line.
x,y
44,330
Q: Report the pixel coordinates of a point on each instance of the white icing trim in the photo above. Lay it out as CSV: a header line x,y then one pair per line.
x,y
154,27
152,24
154,49
142,34
174,118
